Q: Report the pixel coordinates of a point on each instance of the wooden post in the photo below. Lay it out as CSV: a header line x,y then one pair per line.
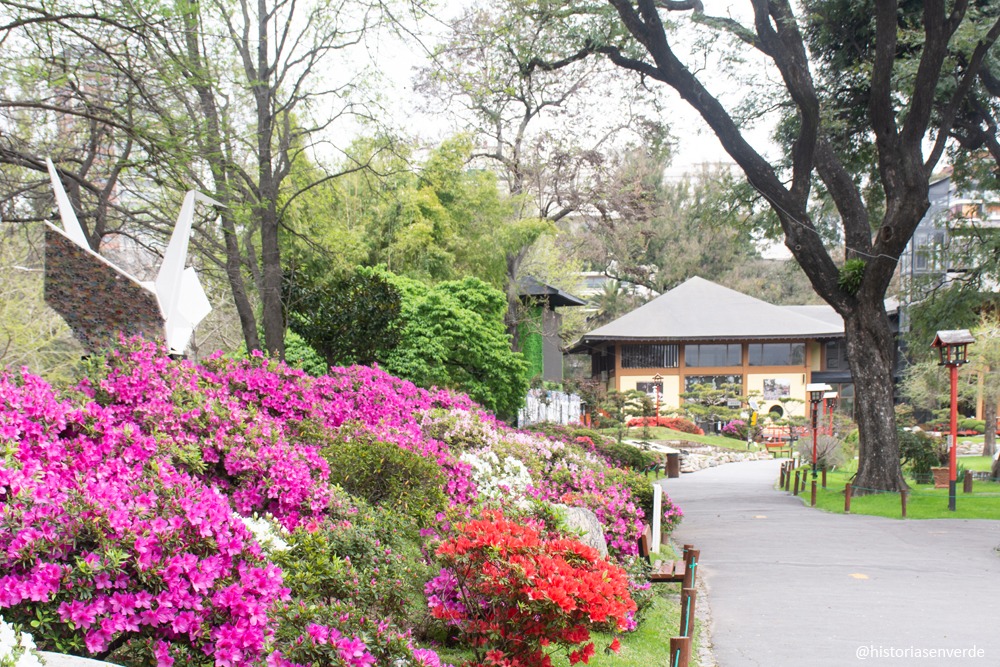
x,y
967,482
781,478
795,491
813,500
788,477
847,498
690,567
824,478
689,597
805,476
680,651
902,500
657,517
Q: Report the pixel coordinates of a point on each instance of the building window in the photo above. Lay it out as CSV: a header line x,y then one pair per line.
x,y
714,380
649,356
603,361
777,354
836,355
845,398
651,388
726,354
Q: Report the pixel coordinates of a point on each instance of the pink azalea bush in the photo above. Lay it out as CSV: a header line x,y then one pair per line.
x,y
122,506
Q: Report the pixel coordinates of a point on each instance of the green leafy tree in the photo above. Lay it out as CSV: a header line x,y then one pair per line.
x,y
617,405
641,406
984,367
909,114
487,72
161,97
350,320
453,336
711,403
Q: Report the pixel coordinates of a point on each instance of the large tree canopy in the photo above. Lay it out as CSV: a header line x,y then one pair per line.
x,y
453,335
916,87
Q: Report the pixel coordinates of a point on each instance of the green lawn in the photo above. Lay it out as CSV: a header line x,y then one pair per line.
x,y
660,434
981,463
923,502
649,645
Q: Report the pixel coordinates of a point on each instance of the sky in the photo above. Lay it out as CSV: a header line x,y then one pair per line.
x,y
696,145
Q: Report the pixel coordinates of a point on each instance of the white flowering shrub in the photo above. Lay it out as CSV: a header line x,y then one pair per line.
x,y
499,481
17,649
267,532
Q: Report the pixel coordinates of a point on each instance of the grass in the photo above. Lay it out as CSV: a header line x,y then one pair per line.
x,y
649,645
659,433
979,463
923,501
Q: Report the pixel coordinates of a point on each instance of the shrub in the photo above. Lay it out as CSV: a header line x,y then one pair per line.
x,y
736,428
830,452
625,455
674,423
920,452
385,475
515,594
672,515
372,559
107,543
977,425
613,503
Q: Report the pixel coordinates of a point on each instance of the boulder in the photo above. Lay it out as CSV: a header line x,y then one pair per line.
x,y
582,521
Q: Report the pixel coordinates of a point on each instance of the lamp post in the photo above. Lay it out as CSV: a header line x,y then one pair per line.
x,y
830,403
816,391
953,348
657,379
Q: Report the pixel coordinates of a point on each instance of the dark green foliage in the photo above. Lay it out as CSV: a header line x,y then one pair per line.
x,y
623,455
616,408
977,425
953,308
372,559
921,452
710,403
532,343
454,336
299,354
385,475
354,319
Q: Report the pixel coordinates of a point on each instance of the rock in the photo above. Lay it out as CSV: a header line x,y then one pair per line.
x,y
584,522
60,660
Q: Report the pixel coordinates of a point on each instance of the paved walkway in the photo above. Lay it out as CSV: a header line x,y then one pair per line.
x,y
791,586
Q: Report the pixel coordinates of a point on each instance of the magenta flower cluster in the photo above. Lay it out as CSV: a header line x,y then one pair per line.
x,y
120,512
121,499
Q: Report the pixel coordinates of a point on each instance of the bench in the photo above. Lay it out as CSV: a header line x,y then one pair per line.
x,y
776,449
669,571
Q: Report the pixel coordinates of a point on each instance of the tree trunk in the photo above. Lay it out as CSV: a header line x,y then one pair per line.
x,y
270,255
990,417
871,351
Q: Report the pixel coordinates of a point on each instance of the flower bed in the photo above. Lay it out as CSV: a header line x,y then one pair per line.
x,y
183,514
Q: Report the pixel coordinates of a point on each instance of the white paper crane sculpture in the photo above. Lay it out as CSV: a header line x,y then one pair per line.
x,y
100,300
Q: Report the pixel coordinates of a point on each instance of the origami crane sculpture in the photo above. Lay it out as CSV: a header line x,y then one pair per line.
x,y
99,300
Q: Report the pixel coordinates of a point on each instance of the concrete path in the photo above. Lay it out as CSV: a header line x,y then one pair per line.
x,y
789,585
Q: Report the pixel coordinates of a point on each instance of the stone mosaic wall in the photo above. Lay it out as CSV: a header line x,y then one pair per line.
x,y
97,301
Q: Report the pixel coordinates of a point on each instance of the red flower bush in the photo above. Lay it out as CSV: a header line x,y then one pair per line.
x,y
516,594
675,423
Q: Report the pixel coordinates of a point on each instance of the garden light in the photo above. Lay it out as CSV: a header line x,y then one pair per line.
x,y
817,391
953,346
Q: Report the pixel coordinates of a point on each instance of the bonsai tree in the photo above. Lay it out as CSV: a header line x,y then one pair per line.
x,y
711,403
640,405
